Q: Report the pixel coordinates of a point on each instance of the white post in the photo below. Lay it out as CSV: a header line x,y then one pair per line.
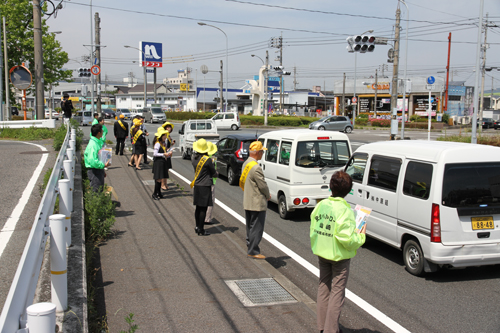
x,y
71,156
72,144
58,264
429,111
69,173
41,318
65,199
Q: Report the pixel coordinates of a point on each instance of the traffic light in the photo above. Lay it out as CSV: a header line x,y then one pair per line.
x,y
83,72
360,44
278,68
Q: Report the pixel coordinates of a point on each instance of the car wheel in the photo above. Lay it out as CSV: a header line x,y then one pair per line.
x,y
185,155
282,208
348,129
231,177
151,120
321,128
413,258
234,127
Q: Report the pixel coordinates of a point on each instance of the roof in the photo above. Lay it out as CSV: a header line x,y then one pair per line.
x,y
140,88
306,134
242,136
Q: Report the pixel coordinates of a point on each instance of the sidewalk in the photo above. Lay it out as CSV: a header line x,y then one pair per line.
x,y
172,280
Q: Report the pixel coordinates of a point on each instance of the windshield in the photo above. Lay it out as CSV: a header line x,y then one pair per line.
x,y
312,154
471,185
156,110
324,118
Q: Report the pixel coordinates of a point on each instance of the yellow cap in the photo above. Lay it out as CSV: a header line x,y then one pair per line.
x,y
122,116
257,146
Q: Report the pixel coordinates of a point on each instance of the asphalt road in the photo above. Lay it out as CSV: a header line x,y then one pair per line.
x,y
446,301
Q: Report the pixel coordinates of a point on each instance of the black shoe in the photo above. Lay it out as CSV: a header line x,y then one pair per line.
x,y
121,154
160,195
155,197
116,153
203,233
146,162
208,223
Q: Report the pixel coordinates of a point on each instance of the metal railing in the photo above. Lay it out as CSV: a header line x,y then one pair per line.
x,y
22,291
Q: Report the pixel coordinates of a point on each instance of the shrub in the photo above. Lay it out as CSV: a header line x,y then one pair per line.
x,y
59,137
189,115
364,115
99,213
446,117
380,122
361,121
27,134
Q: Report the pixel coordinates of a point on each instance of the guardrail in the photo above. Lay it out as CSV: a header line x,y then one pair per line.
x,y
22,291
47,123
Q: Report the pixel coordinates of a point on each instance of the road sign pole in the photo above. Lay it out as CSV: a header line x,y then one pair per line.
x,y
429,116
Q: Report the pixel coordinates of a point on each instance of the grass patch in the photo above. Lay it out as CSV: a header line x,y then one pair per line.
x,y
27,134
483,140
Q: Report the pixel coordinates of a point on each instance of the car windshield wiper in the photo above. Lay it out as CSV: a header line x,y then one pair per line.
x,y
329,166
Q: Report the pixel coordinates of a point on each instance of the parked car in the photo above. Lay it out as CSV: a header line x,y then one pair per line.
x,y
333,123
154,115
136,112
108,114
227,120
496,124
488,122
232,151
436,201
193,130
14,110
84,118
125,112
55,114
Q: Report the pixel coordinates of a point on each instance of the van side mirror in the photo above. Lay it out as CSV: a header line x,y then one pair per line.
x,y
181,132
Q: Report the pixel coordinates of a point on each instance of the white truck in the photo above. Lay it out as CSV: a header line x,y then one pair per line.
x,y
193,130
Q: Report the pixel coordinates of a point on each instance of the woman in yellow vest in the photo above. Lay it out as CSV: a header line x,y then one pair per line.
x,y
139,142
334,239
169,142
203,181
159,157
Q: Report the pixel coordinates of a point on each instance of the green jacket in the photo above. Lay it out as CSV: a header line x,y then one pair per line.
x,y
95,121
104,133
332,231
91,154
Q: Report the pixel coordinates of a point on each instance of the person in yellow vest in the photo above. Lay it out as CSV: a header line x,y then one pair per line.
x,y
120,129
202,183
139,142
169,143
334,239
255,197
160,155
136,122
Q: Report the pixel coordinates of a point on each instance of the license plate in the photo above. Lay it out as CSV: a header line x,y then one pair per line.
x,y
483,222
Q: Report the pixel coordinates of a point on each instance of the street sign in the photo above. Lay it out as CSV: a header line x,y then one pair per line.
x,y
150,70
431,80
151,54
96,70
354,100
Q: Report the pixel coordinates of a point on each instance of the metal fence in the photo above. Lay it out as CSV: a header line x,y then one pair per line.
x,y
22,290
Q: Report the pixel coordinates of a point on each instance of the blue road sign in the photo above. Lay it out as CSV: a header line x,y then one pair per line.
x,y
150,70
431,80
151,55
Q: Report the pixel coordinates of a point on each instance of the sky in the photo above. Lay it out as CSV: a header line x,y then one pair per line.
x,y
314,37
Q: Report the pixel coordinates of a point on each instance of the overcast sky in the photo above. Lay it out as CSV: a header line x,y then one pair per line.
x,y
313,31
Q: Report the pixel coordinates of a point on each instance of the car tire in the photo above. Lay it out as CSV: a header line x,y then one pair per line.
x,y
151,120
234,127
231,177
348,129
413,258
321,128
282,207
185,155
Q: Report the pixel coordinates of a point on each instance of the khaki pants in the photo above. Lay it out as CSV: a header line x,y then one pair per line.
x,y
331,293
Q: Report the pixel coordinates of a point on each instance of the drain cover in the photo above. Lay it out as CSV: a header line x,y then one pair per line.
x,y
148,182
260,292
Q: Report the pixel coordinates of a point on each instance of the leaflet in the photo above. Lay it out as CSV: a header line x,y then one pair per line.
x,y
362,214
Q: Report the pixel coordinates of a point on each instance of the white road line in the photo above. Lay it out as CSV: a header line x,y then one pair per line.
x,y
374,312
10,224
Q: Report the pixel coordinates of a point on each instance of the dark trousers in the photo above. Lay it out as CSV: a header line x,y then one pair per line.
x,y
120,145
146,153
255,229
199,215
333,277
96,177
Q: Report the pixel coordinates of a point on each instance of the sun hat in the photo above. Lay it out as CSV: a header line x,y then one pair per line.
x,y
160,132
166,124
212,150
203,146
122,116
257,146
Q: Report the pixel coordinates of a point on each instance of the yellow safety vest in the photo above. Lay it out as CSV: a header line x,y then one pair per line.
x,y
200,165
121,124
245,172
136,136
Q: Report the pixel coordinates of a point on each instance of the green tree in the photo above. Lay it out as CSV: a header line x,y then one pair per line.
x,y
20,43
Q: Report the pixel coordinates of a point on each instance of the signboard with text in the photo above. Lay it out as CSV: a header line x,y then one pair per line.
x,y
151,54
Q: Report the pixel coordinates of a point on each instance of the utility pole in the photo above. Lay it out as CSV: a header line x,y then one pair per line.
x,y
6,69
281,75
3,114
394,88
483,73
98,57
447,75
221,98
376,90
266,93
477,67
295,78
39,91
343,97
154,84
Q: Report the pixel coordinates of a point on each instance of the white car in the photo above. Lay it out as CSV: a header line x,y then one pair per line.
x,y
55,114
227,120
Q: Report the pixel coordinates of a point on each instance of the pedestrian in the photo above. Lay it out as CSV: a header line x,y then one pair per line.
x,y
67,108
136,122
169,143
334,239
95,168
255,197
120,129
160,155
208,218
96,119
145,143
138,142
202,182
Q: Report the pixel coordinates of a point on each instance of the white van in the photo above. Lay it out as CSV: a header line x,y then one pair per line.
x,y
227,120
298,165
85,118
439,202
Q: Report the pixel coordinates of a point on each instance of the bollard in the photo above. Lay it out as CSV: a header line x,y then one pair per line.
x,y
69,174
73,131
58,264
72,144
65,199
41,318
71,156
73,136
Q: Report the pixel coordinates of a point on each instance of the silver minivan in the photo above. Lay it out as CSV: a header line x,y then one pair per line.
x,y
154,115
332,123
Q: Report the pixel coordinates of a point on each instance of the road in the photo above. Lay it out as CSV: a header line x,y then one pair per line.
x,y
446,301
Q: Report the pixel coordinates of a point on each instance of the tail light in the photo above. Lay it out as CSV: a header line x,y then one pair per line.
x,y
435,224
305,201
239,152
296,201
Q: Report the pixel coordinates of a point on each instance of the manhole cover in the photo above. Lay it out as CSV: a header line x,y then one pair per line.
x,y
34,152
148,182
260,292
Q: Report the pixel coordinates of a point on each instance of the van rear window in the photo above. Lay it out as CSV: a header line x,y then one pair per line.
x,y
471,185
312,154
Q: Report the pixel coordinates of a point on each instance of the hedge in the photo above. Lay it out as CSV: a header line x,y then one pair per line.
x,y
246,119
380,122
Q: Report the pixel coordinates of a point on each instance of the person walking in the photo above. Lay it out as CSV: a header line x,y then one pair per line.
x,y
120,129
202,182
67,108
255,197
139,144
145,142
95,168
135,123
96,119
160,155
208,217
169,143
334,239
